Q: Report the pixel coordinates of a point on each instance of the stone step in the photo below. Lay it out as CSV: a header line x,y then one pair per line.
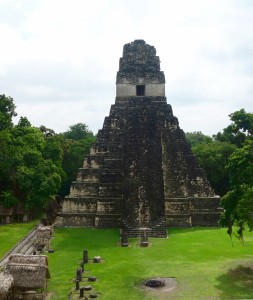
x,y
152,232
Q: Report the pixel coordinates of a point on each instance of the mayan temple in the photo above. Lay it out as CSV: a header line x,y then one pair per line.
x,y
141,173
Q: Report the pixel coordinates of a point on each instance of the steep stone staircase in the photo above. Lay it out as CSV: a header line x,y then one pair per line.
x,y
157,230
26,246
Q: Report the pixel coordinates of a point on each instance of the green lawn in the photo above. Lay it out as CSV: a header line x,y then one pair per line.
x,y
11,234
202,260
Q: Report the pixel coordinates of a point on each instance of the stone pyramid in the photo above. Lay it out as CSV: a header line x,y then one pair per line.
x,y
141,173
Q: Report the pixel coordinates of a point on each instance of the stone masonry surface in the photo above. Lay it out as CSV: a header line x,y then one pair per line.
x,y
141,173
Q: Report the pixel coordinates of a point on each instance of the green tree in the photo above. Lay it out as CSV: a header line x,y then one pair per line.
x,y
37,176
78,132
197,137
38,181
240,130
213,157
7,199
238,202
8,157
23,122
7,111
54,148
30,166
47,131
37,163
242,121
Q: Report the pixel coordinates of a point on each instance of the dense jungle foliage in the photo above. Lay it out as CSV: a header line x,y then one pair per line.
x,y
227,158
36,163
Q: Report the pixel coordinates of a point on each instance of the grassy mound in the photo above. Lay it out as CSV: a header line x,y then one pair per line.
x,y
202,260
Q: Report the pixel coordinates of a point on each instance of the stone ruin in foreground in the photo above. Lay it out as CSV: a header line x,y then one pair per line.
x,y
141,173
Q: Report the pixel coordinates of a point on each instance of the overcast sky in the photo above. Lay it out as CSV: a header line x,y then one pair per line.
x,y
59,58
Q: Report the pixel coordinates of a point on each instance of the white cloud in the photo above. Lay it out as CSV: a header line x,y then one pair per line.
x,y
60,57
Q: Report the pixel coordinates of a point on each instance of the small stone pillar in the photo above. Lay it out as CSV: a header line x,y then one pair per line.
x,y
144,238
77,284
124,239
82,266
85,256
81,292
79,274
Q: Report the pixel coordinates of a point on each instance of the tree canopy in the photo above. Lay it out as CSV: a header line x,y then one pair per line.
x,y
197,137
240,130
78,132
238,202
36,163
227,159
7,111
213,157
